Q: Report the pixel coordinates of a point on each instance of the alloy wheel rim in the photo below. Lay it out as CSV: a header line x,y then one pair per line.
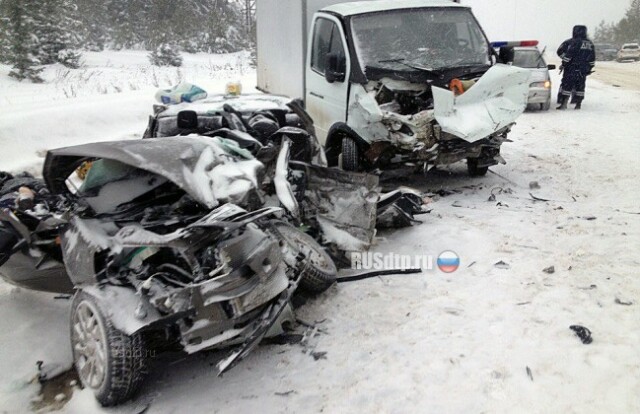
x,y
89,345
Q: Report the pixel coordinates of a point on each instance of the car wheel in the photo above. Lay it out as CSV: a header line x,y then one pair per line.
x,y
350,155
319,272
474,170
108,362
546,106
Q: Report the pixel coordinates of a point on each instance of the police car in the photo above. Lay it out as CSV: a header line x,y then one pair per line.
x,y
526,55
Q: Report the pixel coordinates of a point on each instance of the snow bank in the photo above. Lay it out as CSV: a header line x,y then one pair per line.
x,y
109,98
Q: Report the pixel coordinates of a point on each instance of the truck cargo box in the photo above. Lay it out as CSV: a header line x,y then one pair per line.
x,y
282,32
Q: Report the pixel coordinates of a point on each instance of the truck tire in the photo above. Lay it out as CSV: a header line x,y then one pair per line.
x,y
319,270
110,363
474,170
350,155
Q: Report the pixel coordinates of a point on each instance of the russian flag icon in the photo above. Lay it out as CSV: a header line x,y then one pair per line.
x,y
448,261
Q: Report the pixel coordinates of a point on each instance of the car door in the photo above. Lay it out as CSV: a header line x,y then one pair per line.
x,y
326,101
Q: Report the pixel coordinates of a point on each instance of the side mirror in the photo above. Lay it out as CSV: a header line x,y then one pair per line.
x,y
187,120
551,67
506,54
335,68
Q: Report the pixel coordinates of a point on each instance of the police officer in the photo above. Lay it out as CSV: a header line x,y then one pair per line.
x,y
578,59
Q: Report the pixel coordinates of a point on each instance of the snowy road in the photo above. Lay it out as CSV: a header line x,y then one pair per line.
x,y
433,342
619,74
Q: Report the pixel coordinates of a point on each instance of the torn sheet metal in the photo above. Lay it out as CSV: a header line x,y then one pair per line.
x,y
398,209
493,103
344,205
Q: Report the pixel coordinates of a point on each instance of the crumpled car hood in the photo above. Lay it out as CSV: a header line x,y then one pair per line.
x,y
211,170
493,103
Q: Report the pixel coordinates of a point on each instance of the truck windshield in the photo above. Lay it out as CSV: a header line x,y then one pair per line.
x,y
419,39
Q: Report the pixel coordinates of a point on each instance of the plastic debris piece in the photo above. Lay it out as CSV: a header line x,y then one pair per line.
x,y
502,265
583,333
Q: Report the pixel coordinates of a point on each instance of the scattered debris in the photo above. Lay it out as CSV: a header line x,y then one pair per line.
x,y
397,209
583,333
549,270
590,218
284,339
623,303
502,265
471,264
285,393
533,185
523,303
319,355
538,198
529,373
589,288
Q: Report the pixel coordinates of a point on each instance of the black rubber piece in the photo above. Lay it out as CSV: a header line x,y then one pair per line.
x,y
377,273
583,333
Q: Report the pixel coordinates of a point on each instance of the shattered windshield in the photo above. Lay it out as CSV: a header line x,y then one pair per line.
x,y
419,39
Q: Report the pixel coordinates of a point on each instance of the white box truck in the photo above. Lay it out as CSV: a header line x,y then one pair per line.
x,y
392,83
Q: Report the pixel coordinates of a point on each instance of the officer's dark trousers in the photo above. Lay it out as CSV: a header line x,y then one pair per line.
x,y
573,85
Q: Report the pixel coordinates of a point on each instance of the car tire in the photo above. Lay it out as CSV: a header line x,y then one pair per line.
x,y
546,106
319,271
474,170
119,358
350,155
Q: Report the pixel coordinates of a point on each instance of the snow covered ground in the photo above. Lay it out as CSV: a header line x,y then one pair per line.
x,y
483,339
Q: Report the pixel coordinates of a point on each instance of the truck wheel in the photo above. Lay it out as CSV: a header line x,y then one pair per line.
x,y
350,155
110,363
546,106
474,170
319,270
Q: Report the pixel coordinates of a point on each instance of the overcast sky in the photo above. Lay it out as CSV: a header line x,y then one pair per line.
x,y
549,21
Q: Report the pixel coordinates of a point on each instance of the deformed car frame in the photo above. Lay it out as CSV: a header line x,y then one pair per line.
x,y
154,246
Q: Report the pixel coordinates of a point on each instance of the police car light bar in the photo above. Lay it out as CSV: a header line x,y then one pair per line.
x,y
517,43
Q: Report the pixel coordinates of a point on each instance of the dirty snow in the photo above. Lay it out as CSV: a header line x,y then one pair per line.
x,y
482,339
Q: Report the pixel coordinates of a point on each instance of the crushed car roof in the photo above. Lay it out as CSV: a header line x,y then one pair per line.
x,y
203,167
362,7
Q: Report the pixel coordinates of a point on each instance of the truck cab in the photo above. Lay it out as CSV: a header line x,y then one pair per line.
x,y
411,83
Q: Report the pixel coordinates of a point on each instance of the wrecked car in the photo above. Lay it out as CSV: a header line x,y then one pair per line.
x,y
161,239
341,208
390,84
